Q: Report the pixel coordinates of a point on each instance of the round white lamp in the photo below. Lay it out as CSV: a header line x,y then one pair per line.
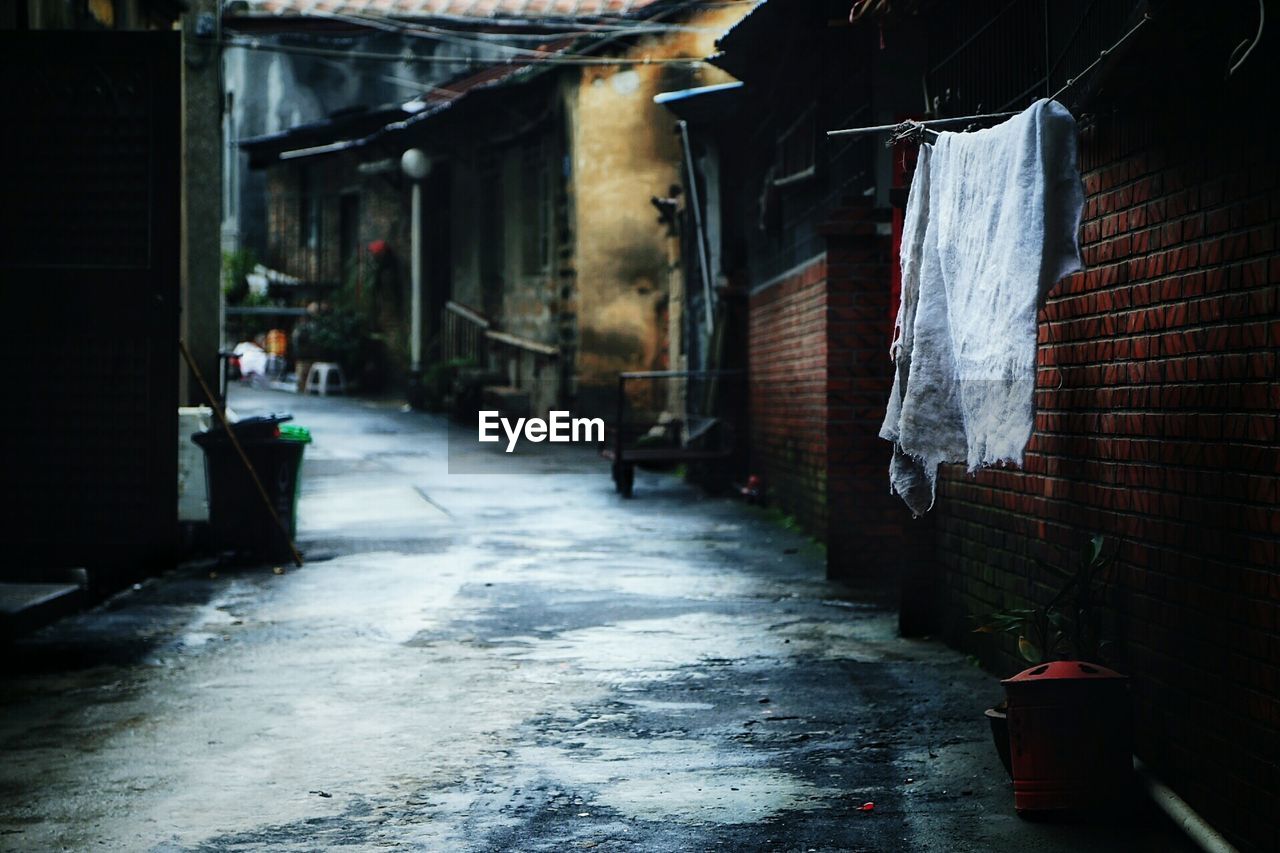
x,y
415,163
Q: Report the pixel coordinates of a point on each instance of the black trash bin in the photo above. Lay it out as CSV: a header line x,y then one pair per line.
x,y
239,520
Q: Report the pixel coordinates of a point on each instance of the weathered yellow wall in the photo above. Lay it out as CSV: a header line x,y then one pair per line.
x,y
624,152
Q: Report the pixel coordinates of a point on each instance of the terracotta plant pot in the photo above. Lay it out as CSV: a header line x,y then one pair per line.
x,y
1069,737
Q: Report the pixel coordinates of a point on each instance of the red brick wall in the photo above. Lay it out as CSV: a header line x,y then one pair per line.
x,y
820,376
865,523
787,351
1157,425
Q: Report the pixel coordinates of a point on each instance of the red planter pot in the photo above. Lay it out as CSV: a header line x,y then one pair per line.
x,y
1070,738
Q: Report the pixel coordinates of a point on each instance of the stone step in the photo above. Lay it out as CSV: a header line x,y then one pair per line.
x,y
24,607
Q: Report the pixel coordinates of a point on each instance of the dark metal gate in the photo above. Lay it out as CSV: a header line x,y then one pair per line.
x,y
996,55
89,242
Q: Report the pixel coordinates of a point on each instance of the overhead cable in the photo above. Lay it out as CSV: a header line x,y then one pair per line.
x,y
916,128
536,57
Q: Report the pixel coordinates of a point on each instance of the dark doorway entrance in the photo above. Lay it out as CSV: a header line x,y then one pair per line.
x,y
349,236
437,240
89,243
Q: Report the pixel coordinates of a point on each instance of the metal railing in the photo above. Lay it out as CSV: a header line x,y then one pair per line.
x,y
467,336
462,334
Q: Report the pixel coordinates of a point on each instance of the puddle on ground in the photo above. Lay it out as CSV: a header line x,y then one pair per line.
x,y
647,650
365,511
412,593
674,779
669,707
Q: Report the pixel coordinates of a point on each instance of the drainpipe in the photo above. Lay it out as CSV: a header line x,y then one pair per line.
x,y
697,220
1180,813
416,166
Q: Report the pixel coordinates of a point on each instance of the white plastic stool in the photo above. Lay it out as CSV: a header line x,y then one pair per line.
x,y
325,378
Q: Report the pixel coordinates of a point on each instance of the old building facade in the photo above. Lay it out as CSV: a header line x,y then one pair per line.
x,y
537,224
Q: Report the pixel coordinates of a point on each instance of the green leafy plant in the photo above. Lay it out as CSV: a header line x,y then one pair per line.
x,y
1070,625
236,267
337,335
437,382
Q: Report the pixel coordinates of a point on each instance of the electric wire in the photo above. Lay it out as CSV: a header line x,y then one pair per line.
x,y
602,22
516,53
1071,81
491,39
916,128
449,37
413,28
634,26
537,57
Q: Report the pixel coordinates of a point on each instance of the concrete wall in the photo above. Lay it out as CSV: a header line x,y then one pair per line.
x,y
200,323
624,152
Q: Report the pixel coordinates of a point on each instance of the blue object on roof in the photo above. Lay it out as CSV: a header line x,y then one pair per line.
x,y
704,104
682,94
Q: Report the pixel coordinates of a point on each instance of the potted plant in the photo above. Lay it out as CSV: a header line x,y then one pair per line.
x,y
1070,625
1064,640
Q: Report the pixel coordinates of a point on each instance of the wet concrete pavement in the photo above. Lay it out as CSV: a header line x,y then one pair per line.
x,y
505,661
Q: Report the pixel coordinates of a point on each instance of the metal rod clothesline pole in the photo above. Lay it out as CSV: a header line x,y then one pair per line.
x,y
885,128
926,125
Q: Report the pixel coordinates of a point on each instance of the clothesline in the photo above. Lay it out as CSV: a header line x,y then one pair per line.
x,y
907,127
885,128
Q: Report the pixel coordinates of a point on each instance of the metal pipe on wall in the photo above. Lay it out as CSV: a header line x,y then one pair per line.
x,y
416,166
415,311
697,220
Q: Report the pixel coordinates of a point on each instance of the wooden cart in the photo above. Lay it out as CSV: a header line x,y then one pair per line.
x,y
689,435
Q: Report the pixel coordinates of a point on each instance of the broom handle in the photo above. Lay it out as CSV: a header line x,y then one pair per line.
x,y
235,442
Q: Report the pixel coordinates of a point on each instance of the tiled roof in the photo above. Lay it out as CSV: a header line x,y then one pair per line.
x,y
481,9
358,127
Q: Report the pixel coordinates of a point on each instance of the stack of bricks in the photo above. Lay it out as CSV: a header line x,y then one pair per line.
x,y
1157,408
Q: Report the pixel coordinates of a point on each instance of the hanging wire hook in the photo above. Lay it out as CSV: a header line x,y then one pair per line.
x,y
1262,22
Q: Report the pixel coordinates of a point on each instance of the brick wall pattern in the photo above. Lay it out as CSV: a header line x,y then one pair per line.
x,y
1157,410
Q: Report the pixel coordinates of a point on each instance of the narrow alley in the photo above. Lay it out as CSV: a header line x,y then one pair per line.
x,y
515,661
